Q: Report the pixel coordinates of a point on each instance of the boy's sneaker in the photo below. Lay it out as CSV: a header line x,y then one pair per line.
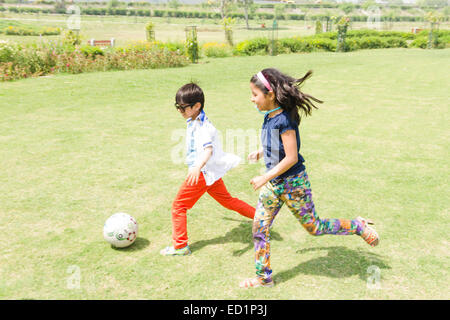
x,y
171,251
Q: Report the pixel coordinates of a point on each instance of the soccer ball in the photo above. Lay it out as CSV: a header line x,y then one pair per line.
x,y
120,230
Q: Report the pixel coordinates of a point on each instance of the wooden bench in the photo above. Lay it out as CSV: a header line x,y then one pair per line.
x,y
416,30
102,43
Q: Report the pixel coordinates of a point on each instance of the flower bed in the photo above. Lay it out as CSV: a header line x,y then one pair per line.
x,y
23,61
27,31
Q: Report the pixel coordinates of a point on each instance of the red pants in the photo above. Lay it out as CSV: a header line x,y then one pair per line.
x,y
188,195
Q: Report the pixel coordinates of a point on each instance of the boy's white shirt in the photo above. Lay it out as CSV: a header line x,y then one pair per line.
x,y
206,135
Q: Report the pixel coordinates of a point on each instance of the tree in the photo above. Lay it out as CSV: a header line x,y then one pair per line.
x,y
370,3
228,28
395,2
248,6
174,4
113,3
280,9
327,16
433,3
390,17
319,27
446,11
60,5
434,18
224,6
347,7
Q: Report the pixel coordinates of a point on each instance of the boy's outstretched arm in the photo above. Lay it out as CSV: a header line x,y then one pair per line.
x,y
194,172
256,155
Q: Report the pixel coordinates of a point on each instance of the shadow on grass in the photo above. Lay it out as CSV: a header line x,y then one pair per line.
x,y
139,244
340,262
239,234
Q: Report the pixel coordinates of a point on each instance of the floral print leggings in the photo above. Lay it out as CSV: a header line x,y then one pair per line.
x,y
295,191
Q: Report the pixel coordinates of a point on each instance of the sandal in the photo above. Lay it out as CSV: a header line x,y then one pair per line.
x,y
369,234
254,283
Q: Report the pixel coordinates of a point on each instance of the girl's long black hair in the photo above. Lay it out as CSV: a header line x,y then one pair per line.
x,y
287,92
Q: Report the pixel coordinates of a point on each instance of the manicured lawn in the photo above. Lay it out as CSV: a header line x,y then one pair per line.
x,y
77,148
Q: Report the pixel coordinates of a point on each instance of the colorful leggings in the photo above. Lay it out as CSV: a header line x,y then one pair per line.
x,y
295,191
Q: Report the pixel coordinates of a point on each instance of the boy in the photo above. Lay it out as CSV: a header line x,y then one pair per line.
x,y
207,165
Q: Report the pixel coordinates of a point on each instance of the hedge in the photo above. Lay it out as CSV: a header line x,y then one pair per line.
x,y
368,33
260,46
204,15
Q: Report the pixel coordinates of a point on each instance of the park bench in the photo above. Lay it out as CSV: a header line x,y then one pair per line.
x,y
102,43
416,30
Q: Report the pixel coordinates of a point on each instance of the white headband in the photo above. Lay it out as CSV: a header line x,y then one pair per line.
x,y
264,81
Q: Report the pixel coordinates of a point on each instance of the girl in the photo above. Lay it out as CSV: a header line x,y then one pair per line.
x,y
278,97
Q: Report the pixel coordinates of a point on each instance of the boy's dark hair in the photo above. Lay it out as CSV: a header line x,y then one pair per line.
x,y
190,93
287,93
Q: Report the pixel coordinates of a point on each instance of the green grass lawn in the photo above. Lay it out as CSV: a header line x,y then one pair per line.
x,y
77,148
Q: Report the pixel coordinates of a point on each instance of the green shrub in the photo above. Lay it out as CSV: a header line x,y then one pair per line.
x,y
158,13
352,44
374,33
322,42
445,41
8,50
91,51
173,46
370,43
21,61
252,47
295,44
328,35
265,16
395,42
295,16
306,44
142,46
440,33
377,43
419,42
144,13
216,50
19,31
72,38
49,31
422,42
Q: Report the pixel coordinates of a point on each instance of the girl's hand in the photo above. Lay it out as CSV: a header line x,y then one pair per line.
x,y
193,175
258,182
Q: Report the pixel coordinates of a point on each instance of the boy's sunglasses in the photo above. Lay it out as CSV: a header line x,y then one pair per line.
x,y
181,108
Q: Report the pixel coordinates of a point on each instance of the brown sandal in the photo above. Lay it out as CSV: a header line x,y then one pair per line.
x,y
369,234
254,283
